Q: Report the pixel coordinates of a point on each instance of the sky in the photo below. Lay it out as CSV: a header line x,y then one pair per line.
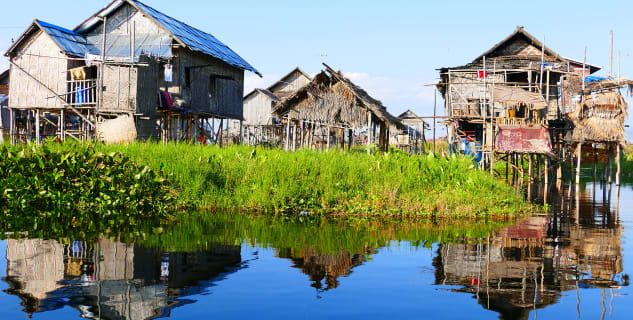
x,y
390,48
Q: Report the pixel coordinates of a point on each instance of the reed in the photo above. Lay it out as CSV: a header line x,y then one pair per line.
x,y
350,183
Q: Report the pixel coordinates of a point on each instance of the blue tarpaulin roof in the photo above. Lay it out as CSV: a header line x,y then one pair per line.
x,y
595,78
195,39
71,42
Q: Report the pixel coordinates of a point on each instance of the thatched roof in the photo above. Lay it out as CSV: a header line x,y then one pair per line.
x,y
600,118
333,98
514,97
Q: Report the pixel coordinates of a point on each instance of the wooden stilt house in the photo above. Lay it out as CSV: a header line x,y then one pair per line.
x,y
129,71
333,111
260,125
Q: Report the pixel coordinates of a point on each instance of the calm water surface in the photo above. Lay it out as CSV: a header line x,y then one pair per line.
x,y
574,263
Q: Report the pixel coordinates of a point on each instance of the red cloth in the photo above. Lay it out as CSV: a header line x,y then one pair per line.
x,y
482,74
170,102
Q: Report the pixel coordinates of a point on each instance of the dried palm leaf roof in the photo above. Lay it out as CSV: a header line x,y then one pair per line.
x,y
600,118
330,80
514,97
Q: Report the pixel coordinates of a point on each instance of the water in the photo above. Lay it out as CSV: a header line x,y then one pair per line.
x,y
568,264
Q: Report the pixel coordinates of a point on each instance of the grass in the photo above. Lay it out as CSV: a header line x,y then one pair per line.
x,y
347,183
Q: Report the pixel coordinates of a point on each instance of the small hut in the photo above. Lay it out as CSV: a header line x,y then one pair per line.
x,y
331,110
412,138
260,125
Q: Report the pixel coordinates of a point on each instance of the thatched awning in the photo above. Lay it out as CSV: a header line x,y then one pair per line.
x,y
600,118
514,97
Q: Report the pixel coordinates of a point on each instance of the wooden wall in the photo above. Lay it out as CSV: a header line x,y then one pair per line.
x,y
120,88
228,98
50,68
291,83
257,109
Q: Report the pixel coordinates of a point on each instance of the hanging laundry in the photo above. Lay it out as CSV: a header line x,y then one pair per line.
x,y
169,74
168,99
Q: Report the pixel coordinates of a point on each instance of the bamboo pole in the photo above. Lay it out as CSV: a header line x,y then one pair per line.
x,y
578,162
617,163
37,126
288,134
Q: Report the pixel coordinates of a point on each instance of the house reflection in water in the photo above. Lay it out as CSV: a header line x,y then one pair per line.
x,y
528,266
325,267
111,280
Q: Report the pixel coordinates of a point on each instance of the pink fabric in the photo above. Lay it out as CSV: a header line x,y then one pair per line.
x,y
170,102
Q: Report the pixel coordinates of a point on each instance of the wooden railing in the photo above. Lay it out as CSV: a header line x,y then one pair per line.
x,y
82,93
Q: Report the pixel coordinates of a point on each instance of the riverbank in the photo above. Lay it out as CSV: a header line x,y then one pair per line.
x,y
347,183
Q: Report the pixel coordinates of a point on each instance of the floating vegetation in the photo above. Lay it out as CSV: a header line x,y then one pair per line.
x,y
73,188
345,183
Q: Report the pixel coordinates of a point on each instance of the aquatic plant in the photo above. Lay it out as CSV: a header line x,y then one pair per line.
x,y
271,180
73,183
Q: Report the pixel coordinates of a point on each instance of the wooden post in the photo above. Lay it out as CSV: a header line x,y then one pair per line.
x,y
37,126
288,134
578,162
368,131
241,132
617,163
507,166
294,137
62,125
546,169
328,137
610,164
531,167
12,126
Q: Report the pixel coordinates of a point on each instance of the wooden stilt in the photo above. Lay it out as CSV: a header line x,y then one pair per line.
x,y
617,163
12,126
546,169
531,167
578,162
328,137
288,135
294,137
62,125
37,126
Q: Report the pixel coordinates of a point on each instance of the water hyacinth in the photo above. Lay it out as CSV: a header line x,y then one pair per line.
x,y
44,184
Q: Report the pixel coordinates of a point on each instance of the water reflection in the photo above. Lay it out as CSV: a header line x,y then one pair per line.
x,y
111,280
325,269
529,266
514,269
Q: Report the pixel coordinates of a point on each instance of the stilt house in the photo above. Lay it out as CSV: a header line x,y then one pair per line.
x,y
331,110
507,100
412,138
260,125
129,71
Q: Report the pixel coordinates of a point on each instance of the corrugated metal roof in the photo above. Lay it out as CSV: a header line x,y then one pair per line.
x,y
196,39
71,42
118,45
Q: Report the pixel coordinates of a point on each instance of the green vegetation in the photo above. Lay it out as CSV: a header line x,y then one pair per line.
x,y
350,183
322,235
77,186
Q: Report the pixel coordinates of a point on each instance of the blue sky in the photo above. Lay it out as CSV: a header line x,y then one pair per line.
x,y
390,48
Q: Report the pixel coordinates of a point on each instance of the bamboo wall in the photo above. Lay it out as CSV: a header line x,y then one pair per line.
x,y
42,58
